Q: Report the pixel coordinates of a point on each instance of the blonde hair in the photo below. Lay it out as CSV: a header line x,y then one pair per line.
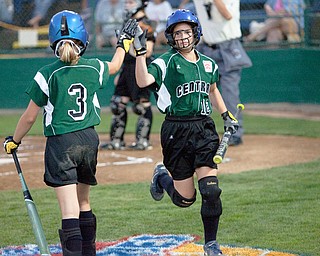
x,y
68,54
68,51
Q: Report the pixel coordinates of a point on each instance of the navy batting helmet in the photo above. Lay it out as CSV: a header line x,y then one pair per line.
x,y
182,15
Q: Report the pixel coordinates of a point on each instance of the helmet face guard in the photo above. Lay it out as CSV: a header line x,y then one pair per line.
x,y
182,16
68,25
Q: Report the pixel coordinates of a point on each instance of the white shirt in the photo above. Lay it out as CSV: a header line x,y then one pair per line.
x,y
110,16
218,29
159,13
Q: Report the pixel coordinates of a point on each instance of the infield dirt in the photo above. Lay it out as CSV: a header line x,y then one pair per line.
x,y
127,166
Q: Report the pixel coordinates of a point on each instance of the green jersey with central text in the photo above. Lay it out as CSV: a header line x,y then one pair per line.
x,y
68,94
183,86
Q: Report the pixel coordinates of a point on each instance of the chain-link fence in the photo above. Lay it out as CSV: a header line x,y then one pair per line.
x,y
24,23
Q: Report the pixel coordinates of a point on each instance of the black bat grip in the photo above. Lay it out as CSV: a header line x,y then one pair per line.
x,y
16,161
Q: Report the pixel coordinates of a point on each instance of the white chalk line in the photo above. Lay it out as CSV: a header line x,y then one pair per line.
x,y
23,157
128,160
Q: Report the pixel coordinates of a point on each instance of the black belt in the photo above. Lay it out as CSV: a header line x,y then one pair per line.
x,y
212,46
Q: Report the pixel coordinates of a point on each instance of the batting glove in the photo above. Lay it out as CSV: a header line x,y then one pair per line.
x,y
126,36
10,145
230,122
140,41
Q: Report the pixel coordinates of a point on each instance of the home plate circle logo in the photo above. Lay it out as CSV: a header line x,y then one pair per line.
x,y
148,244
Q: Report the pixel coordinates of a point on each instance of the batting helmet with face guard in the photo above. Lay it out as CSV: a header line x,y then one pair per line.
x,y
180,16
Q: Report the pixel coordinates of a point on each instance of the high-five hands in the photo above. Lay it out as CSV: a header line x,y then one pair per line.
x,y
127,34
140,40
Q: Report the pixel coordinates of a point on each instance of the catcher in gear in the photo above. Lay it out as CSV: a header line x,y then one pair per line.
x,y
184,81
67,91
127,90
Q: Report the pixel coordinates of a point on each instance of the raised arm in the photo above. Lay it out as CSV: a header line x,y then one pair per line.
x,y
125,38
143,78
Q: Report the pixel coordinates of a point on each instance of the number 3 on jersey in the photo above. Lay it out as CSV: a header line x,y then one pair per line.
x,y
81,92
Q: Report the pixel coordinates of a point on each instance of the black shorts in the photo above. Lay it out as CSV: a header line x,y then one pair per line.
x,y
71,158
187,144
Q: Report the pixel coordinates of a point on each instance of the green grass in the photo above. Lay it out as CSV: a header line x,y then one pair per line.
x,y
276,208
253,125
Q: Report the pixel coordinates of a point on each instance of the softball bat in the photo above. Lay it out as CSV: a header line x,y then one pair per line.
x,y
32,211
223,146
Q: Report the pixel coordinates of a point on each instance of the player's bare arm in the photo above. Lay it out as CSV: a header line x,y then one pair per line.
x,y
216,99
144,79
117,60
26,121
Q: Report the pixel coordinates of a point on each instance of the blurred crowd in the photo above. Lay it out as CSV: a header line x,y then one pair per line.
x,y
284,18
102,17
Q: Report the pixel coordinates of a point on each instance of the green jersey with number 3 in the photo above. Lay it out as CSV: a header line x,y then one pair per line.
x,y
183,86
68,94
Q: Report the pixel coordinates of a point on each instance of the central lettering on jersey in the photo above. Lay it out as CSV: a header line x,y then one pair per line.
x,y
193,86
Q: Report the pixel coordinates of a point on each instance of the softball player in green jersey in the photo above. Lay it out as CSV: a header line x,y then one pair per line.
x,y
67,90
185,84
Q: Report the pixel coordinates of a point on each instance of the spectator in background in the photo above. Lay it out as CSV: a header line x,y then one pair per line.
x,y
109,17
314,23
175,4
86,13
22,12
285,22
188,5
158,11
6,11
183,4
220,20
41,8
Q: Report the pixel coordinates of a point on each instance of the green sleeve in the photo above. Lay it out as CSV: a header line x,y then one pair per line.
x,y
156,72
36,94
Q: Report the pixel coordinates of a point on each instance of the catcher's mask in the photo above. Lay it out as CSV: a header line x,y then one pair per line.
x,y
133,6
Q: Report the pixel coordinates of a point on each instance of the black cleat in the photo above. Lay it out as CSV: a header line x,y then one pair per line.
x,y
156,190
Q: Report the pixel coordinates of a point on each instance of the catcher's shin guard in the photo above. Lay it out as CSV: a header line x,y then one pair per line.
x,y
118,125
88,228
68,238
144,125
